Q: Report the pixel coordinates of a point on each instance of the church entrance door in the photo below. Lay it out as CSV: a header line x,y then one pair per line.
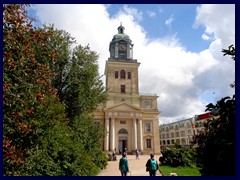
x,y
122,140
122,145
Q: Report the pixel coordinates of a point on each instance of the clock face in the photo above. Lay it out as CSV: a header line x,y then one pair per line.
x,y
122,47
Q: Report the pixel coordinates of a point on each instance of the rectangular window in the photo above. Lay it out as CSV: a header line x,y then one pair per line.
x,y
122,88
146,103
129,75
122,122
116,74
177,134
148,127
149,143
167,136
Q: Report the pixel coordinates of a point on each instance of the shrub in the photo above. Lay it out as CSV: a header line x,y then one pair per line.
x,y
178,157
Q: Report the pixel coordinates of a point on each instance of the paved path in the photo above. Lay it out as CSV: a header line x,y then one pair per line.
x,y
136,167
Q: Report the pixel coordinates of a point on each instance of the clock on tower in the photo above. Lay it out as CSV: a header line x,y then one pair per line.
x,y
122,47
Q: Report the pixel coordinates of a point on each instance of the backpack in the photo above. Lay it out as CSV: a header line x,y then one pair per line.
x,y
153,165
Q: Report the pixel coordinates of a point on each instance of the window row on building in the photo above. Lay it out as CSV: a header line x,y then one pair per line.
x,y
182,132
123,74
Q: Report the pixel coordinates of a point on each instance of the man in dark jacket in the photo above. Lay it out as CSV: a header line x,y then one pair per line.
x,y
152,166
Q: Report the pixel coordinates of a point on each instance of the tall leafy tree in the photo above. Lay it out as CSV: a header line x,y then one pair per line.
x,y
38,68
81,90
76,74
31,108
217,143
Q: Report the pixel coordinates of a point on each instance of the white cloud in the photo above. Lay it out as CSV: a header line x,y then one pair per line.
x,y
169,21
178,76
132,12
218,19
205,37
151,13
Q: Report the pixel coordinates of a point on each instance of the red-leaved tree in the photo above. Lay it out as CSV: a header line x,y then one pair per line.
x,y
26,84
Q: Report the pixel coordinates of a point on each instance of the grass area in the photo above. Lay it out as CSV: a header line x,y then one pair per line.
x,y
181,171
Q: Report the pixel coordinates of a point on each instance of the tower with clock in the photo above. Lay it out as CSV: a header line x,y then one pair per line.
x,y
121,47
130,119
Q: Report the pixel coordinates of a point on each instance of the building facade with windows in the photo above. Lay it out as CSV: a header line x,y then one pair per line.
x,y
130,119
182,132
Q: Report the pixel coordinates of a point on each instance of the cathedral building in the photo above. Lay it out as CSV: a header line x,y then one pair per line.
x,y
130,119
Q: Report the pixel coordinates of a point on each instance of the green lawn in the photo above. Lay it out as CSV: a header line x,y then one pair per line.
x,y
181,171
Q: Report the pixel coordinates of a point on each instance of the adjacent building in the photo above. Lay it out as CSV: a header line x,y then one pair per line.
x,y
182,132
130,119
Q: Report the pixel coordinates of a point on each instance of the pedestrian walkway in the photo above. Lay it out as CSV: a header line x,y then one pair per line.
x,y
136,167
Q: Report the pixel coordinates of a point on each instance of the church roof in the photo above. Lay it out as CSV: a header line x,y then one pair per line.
x,y
203,116
123,106
121,35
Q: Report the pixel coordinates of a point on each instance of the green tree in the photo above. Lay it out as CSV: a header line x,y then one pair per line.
x,y
31,108
81,90
38,138
217,143
76,74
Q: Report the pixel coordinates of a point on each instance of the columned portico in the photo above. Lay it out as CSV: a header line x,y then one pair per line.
x,y
132,140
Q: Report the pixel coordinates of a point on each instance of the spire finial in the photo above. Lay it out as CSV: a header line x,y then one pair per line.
x,y
121,29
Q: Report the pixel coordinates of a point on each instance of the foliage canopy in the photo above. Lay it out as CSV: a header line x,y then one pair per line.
x,y
41,134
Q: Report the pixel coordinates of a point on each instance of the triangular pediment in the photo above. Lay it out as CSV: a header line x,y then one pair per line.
x,y
123,107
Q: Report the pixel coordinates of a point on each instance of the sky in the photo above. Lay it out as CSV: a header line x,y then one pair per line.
x,y
179,47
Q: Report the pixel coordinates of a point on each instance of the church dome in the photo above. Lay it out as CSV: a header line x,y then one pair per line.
x,y
121,36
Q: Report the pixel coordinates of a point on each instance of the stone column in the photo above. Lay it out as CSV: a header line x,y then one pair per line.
x,y
106,139
112,135
134,133
140,134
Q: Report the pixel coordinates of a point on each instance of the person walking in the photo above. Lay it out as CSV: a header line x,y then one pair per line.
x,y
137,154
123,165
125,151
152,165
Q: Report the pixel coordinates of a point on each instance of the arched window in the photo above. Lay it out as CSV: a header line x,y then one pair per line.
x,y
188,125
122,74
167,129
196,125
168,141
122,131
176,127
